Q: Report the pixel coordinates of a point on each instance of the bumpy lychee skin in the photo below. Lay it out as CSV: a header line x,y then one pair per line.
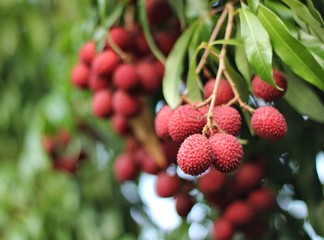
x,y
184,203
105,63
102,103
126,104
269,123
125,77
125,168
223,229
261,199
228,119
185,121
247,177
158,11
80,75
239,213
265,91
195,155
227,151
161,122
224,92
211,182
87,52
121,38
149,77
167,185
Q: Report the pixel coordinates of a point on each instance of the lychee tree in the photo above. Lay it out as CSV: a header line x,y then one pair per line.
x,y
220,102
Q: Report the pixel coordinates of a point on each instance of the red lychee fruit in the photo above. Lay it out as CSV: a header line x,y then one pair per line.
x,y
49,144
184,203
228,119
255,229
125,103
195,155
102,103
185,121
224,91
165,41
97,83
161,122
66,164
87,52
227,151
80,75
125,77
105,63
147,162
119,124
267,92
149,78
141,46
239,213
261,199
223,229
159,68
167,185
269,123
125,168
170,150
211,182
121,38
247,177
158,11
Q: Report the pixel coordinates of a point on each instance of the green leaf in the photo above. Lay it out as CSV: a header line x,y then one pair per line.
x,y
147,33
314,46
285,15
253,4
304,14
315,12
234,42
290,50
194,9
303,99
174,67
241,61
178,7
257,46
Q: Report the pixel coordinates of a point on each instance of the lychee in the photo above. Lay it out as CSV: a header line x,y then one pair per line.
x,y
158,11
141,46
227,151
170,149
147,162
80,75
239,213
267,92
165,40
105,63
87,52
224,91
228,119
261,199
167,185
161,122
149,78
102,103
185,121
184,203
247,177
119,124
269,123
66,164
125,77
125,167
223,229
125,103
211,182
121,38
97,83
195,155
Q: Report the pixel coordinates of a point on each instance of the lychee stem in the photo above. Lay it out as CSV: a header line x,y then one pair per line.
x,y
213,36
210,115
129,18
115,47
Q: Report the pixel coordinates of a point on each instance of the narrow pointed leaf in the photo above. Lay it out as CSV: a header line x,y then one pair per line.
x,y
253,4
315,12
290,50
304,14
257,45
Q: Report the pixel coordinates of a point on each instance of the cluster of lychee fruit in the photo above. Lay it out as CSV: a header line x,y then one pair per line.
x,y
56,147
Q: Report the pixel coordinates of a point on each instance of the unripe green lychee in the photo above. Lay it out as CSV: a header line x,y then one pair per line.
x,y
227,151
185,121
102,103
161,122
265,91
269,123
167,185
195,155
224,91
